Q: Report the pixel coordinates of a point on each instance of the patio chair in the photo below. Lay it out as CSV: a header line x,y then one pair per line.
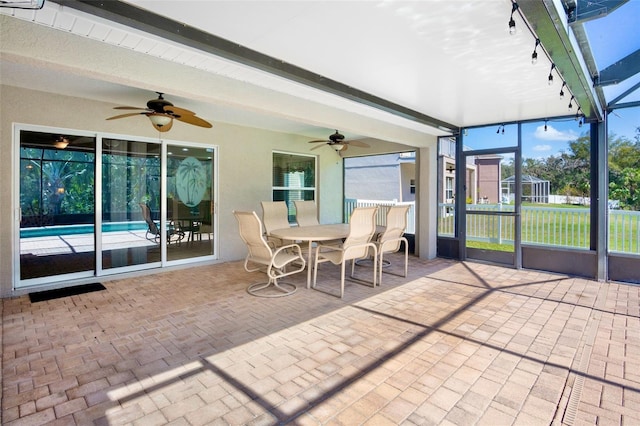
x,y
262,255
357,245
392,238
306,213
174,233
275,215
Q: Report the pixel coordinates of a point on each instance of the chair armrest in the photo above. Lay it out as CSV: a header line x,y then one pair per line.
x,y
285,255
370,245
296,248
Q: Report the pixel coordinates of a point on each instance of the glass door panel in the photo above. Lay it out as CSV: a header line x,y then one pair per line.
x,y
130,203
57,175
490,209
190,202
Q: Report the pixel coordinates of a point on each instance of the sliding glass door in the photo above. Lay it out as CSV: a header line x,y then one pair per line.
x,y
190,206
130,187
56,205
151,205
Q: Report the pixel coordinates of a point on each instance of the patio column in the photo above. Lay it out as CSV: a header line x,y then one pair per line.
x,y
427,201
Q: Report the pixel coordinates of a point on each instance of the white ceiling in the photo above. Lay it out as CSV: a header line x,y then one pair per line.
x,y
452,60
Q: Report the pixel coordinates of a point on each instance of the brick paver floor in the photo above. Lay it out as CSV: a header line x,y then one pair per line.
x,y
454,343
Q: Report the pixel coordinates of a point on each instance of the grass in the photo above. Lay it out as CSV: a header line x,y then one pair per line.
x,y
548,224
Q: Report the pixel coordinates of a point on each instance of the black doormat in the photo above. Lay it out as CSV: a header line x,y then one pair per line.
x,y
41,296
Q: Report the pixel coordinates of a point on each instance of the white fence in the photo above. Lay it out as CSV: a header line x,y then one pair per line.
x,y
567,227
383,207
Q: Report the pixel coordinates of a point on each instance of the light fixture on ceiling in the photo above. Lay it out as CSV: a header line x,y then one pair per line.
x,y
553,66
339,147
512,23
22,4
534,55
160,121
571,102
61,142
561,90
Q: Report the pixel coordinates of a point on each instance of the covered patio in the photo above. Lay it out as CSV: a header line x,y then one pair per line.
x,y
453,343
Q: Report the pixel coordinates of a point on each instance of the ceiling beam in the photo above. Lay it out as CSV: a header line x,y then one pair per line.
x,y
549,24
587,10
149,22
620,70
615,102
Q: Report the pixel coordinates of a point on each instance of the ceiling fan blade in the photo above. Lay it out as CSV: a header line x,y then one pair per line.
x,y
192,119
178,111
130,114
359,143
130,107
345,147
316,147
318,141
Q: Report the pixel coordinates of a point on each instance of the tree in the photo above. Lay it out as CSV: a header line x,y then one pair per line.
x,y
624,171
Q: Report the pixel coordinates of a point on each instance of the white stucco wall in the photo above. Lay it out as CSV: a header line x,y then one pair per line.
x,y
244,162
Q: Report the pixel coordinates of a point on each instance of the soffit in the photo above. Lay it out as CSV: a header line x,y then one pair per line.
x,y
451,60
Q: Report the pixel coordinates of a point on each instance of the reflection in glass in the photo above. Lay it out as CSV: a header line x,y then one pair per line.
x,y
56,204
130,194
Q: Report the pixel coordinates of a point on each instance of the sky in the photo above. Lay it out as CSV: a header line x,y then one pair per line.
x,y
540,143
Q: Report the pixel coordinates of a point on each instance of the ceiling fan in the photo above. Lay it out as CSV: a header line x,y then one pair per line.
x,y
162,113
337,142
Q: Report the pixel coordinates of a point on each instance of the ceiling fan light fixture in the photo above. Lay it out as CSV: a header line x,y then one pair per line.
x,y
160,120
339,147
61,142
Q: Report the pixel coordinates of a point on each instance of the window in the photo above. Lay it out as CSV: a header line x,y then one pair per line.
x,y
294,178
449,189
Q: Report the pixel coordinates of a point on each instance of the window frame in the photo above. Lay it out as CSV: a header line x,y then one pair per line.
x,y
284,188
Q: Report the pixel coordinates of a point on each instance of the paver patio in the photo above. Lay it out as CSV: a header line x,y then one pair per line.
x,y
453,343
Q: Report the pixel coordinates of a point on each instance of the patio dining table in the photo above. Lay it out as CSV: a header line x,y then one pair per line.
x,y
314,233
311,234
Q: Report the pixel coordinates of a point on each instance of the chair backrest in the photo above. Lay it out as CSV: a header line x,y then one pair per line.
x,y
306,213
251,233
396,225
275,215
362,226
146,214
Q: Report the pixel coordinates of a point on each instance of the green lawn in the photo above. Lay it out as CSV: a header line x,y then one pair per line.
x,y
548,224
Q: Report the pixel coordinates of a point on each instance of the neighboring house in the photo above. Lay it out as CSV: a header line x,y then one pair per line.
x,y
489,178
447,174
482,176
381,177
